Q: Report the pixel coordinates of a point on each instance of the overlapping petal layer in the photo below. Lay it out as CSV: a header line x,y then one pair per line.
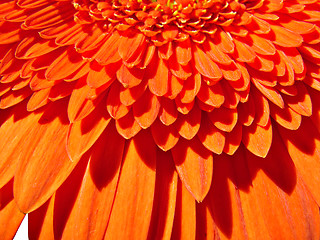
x,y
160,119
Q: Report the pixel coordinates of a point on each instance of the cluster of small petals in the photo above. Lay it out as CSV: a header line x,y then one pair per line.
x,y
160,20
181,62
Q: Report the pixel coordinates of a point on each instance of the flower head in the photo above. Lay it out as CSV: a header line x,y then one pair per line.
x,y
138,119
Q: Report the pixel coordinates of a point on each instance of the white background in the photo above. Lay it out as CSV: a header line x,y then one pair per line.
x,y
22,233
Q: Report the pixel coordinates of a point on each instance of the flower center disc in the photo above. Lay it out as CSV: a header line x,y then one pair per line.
x,y
178,19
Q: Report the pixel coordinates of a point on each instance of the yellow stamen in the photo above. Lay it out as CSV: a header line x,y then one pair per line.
x,y
157,7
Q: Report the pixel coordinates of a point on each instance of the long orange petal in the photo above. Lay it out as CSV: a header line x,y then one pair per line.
x,y
12,98
253,219
34,47
164,204
38,99
108,52
303,145
64,202
243,53
184,225
278,186
95,201
223,201
13,132
9,213
129,46
205,226
43,159
48,16
134,199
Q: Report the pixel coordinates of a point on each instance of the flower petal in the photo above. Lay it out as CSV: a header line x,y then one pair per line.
x,y
127,126
165,137
108,52
286,117
194,166
164,205
13,131
130,77
183,52
233,140
66,64
223,118
114,106
168,112
285,38
43,215
211,95
80,105
135,192
189,124
43,159
98,188
9,212
146,109
257,139
158,80
223,203
184,225
205,65
210,136
303,145
83,134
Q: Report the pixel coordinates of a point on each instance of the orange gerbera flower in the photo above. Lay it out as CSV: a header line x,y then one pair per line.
x,y
181,119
